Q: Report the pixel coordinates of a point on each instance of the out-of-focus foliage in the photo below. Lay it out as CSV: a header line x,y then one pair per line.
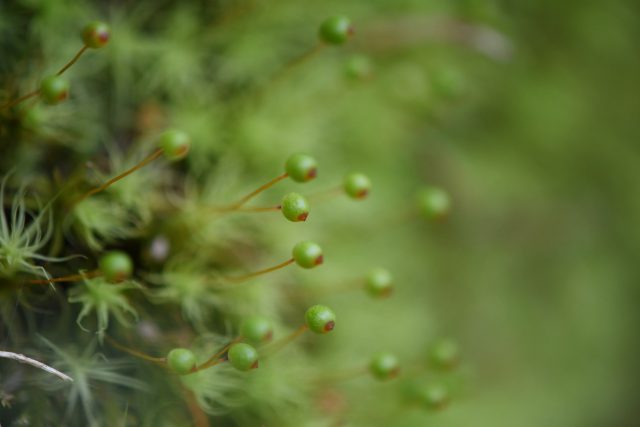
x,y
524,112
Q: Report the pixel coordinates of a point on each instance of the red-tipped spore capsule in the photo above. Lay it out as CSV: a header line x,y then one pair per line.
x,y
301,167
308,254
96,34
335,30
320,319
295,207
357,185
54,89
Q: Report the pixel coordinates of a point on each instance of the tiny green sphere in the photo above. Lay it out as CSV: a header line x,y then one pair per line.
x,y
357,185
243,357
295,207
358,68
384,366
181,360
444,354
433,396
434,203
320,319
175,144
335,30
256,329
54,89
301,167
379,283
116,266
307,254
96,34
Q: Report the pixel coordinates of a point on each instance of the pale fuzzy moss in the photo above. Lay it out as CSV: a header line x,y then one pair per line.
x,y
99,221
105,299
23,235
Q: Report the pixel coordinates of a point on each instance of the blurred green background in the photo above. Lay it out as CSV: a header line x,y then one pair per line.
x,y
526,112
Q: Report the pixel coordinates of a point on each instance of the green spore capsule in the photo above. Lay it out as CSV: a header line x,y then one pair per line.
x,y
181,360
320,319
384,366
96,34
175,144
308,254
444,354
434,203
54,89
243,357
433,396
358,68
379,283
295,207
257,329
301,167
357,185
335,30
116,266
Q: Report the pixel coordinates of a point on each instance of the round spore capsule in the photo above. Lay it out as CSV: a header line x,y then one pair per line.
x,y
295,207
379,283
444,354
301,167
116,266
175,144
434,203
357,185
335,30
384,366
256,329
54,89
243,357
308,254
320,319
96,34
181,360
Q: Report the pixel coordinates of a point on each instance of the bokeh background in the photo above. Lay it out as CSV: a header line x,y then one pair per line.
x,y
525,112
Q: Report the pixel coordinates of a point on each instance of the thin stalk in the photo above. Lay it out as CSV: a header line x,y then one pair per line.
x,y
279,344
37,92
245,199
217,357
73,60
248,276
126,173
19,100
297,62
200,419
342,376
140,355
69,278
326,194
249,209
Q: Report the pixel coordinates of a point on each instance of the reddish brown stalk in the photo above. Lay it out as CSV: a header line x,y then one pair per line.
x,y
37,92
217,357
126,173
140,355
73,60
259,190
296,62
278,345
200,419
19,100
326,194
248,276
70,278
